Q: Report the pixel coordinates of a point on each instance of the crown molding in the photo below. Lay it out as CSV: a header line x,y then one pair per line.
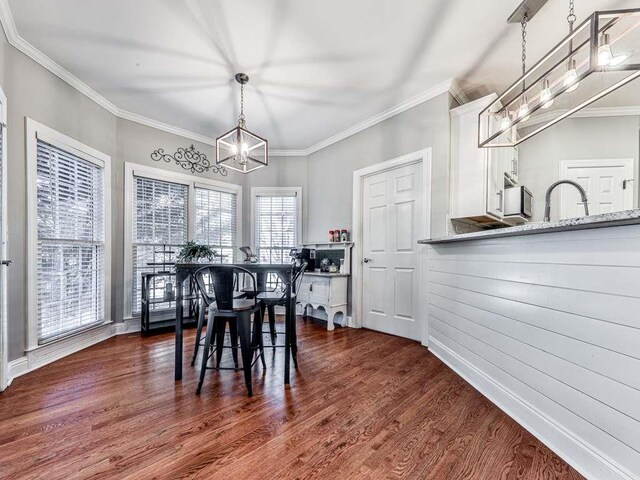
x,y
14,38
391,112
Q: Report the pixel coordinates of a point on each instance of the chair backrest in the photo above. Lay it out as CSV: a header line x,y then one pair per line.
x,y
224,282
297,278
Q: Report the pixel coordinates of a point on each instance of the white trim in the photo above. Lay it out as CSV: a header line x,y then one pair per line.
x,y
128,325
276,192
381,117
192,181
32,130
51,352
584,458
4,335
423,156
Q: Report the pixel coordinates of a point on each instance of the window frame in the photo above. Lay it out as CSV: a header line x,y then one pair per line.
x,y
276,192
36,131
191,181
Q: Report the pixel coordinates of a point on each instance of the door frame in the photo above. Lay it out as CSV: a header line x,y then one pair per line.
x,y
4,335
565,165
421,156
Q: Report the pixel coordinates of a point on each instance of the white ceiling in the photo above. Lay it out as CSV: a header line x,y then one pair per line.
x,y
316,67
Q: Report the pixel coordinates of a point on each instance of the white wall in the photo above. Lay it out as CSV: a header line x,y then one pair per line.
x,y
547,327
574,139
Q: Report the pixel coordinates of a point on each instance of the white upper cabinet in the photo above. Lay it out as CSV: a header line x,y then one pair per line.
x,y
478,175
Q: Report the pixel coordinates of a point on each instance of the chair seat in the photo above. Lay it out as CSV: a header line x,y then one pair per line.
x,y
239,305
273,296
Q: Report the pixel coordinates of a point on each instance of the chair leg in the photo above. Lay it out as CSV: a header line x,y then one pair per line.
x,y
205,354
272,323
198,335
258,340
233,333
244,328
221,326
294,334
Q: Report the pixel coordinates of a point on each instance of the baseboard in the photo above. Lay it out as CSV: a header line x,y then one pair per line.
x,y
129,325
46,354
581,456
17,367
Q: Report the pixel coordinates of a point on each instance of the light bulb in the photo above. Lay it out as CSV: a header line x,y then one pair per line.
x,y
605,56
546,97
571,77
234,149
506,121
244,148
523,111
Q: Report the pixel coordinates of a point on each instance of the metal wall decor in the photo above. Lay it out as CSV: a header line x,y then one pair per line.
x,y
189,159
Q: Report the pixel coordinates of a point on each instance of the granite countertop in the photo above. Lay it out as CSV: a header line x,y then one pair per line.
x,y
627,217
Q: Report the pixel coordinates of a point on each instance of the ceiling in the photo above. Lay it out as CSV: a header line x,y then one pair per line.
x,y
316,68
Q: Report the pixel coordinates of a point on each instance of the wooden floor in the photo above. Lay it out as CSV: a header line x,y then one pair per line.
x,y
362,405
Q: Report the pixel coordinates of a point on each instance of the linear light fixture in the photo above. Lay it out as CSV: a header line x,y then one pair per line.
x,y
599,56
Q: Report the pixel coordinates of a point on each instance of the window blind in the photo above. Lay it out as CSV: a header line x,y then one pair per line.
x,y
159,222
71,243
275,227
216,221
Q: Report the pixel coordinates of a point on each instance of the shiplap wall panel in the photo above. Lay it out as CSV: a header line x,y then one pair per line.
x,y
618,338
555,320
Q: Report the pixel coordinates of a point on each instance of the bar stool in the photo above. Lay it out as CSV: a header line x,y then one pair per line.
x,y
274,299
226,308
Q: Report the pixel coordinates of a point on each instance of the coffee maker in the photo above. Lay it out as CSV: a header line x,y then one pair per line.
x,y
302,255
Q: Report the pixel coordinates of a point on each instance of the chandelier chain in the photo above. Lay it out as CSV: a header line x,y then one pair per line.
x,y
523,24
571,18
241,101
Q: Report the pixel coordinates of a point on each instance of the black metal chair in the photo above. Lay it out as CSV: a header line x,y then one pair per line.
x,y
207,297
279,298
224,308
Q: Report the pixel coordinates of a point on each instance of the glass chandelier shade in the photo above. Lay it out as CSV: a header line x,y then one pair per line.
x,y
601,55
239,149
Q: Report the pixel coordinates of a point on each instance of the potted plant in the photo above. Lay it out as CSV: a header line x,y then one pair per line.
x,y
193,252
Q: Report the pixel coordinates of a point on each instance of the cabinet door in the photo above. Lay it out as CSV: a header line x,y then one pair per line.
x,y
495,182
319,290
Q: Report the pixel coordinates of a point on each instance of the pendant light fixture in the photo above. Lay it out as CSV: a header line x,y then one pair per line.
x,y
596,58
239,149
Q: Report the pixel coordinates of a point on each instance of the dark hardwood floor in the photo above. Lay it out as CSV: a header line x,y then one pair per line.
x,y
362,405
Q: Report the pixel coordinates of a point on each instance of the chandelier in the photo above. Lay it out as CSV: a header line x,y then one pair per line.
x,y
596,58
239,149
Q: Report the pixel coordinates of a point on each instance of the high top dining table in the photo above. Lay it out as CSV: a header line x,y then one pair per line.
x,y
284,270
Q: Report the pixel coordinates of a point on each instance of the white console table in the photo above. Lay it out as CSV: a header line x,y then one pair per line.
x,y
327,291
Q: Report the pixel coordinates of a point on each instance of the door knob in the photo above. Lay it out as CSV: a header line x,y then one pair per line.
x,y
5,262
366,260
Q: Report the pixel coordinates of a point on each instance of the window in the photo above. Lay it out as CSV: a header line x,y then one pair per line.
x,y
277,222
215,222
69,237
159,229
167,210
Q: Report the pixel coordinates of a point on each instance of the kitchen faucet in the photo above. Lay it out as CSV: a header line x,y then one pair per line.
x,y
547,206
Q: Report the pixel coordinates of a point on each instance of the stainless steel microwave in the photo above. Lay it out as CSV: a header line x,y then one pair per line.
x,y
518,201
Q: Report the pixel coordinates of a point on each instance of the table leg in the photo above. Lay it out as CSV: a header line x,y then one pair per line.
x,y
287,334
179,295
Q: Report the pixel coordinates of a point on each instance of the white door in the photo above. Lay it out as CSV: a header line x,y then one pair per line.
x,y
607,183
392,222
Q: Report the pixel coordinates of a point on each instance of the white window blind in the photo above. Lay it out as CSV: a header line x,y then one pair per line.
x,y
159,225
71,243
275,227
216,221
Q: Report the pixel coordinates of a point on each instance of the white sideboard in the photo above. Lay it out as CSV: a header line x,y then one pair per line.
x,y
327,291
